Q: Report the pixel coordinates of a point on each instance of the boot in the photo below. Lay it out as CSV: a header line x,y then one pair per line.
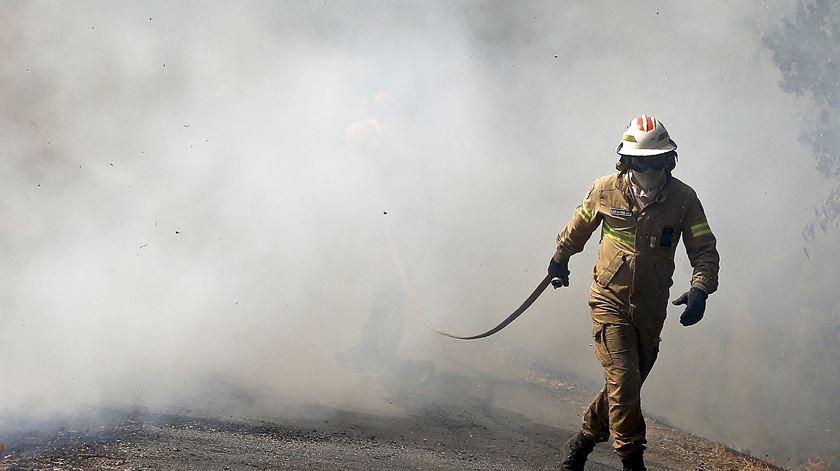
x,y
634,463
579,449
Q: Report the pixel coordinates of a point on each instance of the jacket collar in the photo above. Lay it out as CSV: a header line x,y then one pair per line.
x,y
622,182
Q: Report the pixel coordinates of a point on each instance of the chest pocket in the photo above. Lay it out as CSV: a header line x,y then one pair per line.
x,y
668,234
666,238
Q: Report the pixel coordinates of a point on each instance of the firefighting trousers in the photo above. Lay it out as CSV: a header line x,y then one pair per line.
x,y
627,354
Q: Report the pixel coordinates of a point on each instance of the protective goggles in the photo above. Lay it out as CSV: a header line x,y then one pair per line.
x,y
657,162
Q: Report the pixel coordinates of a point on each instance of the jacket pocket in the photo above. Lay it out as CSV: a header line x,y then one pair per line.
x,y
607,274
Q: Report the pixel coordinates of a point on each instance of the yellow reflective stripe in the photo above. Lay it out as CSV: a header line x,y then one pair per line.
x,y
628,138
653,242
700,229
626,235
584,213
614,237
619,236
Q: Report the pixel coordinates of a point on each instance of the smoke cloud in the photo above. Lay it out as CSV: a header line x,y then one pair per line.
x,y
201,194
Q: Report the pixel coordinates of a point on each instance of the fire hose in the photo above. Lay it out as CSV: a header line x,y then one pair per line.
x,y
525,305
512,317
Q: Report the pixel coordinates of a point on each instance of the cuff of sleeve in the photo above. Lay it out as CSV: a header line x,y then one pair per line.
x,y
560,258
561,255
700,286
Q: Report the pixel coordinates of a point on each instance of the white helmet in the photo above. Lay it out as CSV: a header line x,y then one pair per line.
x,y
645,136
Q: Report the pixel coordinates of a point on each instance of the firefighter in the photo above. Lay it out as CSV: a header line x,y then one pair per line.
x,y
643,211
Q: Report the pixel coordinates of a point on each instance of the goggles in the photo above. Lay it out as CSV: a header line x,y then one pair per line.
x,y
641,164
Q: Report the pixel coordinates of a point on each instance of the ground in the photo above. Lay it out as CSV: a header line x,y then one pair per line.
x,y
445,421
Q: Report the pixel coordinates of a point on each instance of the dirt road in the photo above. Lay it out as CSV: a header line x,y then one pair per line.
x,y
447,421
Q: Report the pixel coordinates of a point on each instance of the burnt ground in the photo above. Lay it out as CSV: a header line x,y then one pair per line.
x,y
476,422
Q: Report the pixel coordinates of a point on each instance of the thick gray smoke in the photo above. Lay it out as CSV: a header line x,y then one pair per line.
x,y
197,193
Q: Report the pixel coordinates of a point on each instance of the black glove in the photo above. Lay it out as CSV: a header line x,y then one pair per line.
x,y
695,305
560,272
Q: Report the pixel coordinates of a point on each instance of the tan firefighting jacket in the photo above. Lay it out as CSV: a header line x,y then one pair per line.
x,y
635,263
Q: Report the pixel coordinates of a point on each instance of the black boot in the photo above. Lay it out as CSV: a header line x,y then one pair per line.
x,y
579,448
634,463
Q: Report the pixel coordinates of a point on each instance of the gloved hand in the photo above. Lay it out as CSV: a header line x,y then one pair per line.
x,y
560,272
695,305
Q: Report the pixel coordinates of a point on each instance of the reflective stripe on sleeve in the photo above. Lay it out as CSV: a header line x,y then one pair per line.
x,y
584,213
700,229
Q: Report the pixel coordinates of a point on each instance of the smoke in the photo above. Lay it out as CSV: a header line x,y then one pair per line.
x,y
197,195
